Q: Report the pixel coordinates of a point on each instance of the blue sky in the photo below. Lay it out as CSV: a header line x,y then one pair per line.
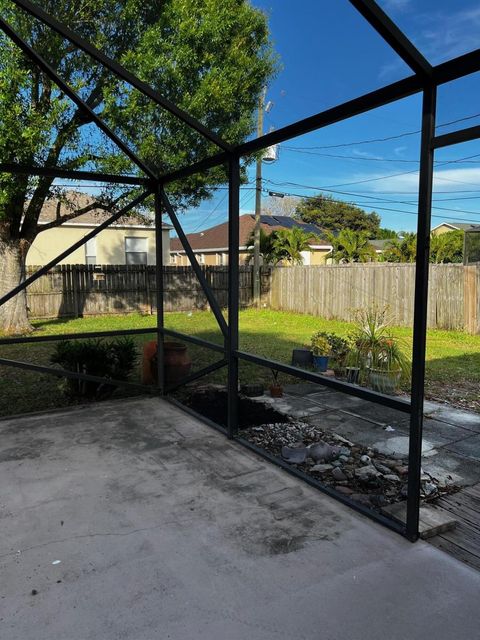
x,y
329,54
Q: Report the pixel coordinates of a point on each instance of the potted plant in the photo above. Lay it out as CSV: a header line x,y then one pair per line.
x,y
379,352
302,357
276,389
176,361
340,349
320,351
353,362
389,364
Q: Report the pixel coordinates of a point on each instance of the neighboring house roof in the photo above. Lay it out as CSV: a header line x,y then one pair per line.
x,y
73,200
217,237
462,226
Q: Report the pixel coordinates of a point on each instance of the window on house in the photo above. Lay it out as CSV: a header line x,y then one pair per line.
x,y
136,250
91,251
173,258
201,258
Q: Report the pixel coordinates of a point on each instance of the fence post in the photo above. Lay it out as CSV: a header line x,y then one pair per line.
x,y
470,296
75,289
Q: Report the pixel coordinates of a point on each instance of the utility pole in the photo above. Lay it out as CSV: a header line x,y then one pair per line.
x,y
258,205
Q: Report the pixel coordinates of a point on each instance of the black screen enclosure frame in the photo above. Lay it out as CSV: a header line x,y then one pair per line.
x,y
425,79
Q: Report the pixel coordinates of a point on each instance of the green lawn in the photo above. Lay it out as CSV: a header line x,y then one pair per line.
x,y
453,358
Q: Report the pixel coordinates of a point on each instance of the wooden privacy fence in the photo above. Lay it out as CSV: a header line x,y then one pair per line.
x,y
328,291
84,290
336,291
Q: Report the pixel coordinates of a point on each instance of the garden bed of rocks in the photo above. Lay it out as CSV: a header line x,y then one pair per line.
x,y
363,473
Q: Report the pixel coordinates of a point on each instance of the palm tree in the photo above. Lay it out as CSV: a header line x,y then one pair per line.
x,y
268,252
290,243
351,246
402,249
446,247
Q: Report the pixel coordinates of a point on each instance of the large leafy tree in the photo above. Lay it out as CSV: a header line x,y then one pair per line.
x,y
351,246
211,57
334,215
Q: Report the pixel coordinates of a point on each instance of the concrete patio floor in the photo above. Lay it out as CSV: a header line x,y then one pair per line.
x,y
132,520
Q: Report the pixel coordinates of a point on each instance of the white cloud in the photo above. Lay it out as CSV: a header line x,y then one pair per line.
x,y
439,34
447,35
365,154
395,5
444,180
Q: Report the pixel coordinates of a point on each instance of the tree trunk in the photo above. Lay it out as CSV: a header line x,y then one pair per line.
x,y
13,314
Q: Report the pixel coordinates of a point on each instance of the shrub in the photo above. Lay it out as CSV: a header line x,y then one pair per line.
x,y
320,345
112,359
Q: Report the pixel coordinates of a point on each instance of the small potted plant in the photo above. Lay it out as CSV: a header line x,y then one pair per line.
x,y
302,357
388,365
339,352
379,352
276,389
353,363
320,351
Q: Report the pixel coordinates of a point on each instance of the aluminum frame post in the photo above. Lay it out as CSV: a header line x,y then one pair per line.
x,y
420,310
159,285
233,292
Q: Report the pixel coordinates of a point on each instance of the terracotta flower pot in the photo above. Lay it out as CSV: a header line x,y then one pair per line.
x,y
177,362
276,391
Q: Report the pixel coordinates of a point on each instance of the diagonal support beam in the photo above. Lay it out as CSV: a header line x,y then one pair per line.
x,y
395,91
74,375
120,71
70,174
83,106
73,247
198,374
393,36
212,301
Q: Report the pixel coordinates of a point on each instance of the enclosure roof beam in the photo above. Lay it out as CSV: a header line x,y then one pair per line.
x,y
68,174
120,71
442,73
73,247
457,68
456,137
83,106
396,91
389,31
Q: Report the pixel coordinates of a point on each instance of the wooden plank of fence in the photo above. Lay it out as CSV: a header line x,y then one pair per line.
x,y
328,291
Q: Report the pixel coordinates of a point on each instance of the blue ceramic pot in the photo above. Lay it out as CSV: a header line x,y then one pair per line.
x,y
320,363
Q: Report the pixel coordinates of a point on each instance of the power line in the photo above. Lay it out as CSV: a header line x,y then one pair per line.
x,y
364,159
393,175
386,139
377,199
411,213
